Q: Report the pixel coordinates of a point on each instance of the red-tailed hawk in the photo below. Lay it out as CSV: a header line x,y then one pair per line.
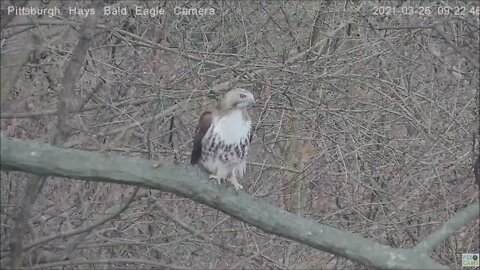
x,y
223,137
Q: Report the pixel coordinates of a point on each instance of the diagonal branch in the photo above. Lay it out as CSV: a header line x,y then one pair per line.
x,y
34,185
70,76
455,223
44,159
86,229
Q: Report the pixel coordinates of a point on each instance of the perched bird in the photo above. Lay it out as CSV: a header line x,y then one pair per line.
x,y
223,137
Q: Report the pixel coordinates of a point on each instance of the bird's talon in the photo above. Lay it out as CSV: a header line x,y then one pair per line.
x,y
237,187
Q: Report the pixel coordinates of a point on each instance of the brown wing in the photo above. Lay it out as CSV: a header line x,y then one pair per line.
x,y
203,125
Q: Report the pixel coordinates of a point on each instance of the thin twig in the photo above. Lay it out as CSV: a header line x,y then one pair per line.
x,y
85,108
86,229
34,186
157,265
462,52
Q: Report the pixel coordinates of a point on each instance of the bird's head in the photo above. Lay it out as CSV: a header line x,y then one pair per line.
x,y
238,98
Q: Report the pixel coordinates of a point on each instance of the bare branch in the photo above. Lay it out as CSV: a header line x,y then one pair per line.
x,y
89,228
158,265
467,57
72,72
191,183
86,108
86,229
455,223
33,188
35,184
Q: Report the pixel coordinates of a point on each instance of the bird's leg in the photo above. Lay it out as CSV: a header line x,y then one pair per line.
x,y
216,177
220,175
233,179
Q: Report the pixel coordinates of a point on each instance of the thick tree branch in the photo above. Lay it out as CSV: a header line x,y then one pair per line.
x,y
45,159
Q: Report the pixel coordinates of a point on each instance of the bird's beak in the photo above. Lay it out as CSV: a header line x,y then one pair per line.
x,y
251,102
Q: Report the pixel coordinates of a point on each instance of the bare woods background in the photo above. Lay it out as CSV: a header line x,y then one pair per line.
x,y
364,123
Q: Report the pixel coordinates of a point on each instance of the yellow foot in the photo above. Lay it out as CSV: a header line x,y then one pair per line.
x,y
235,183
237,186
218,178
157,164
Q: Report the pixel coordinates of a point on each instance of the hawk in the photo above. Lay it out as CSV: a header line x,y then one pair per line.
x,y
223,137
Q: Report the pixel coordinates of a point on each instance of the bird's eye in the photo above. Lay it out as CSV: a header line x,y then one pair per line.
x,y
242,96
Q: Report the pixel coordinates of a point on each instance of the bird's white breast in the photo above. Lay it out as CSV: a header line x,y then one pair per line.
x,y
232,128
